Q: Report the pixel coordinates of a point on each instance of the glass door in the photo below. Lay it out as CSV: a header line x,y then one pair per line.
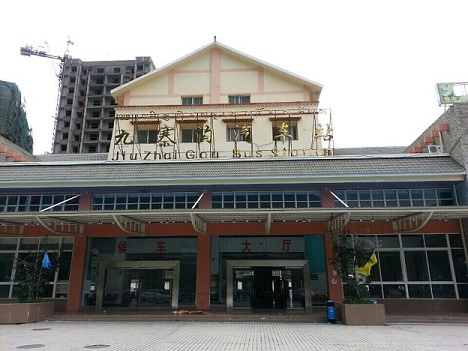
x,y
243,288
138,285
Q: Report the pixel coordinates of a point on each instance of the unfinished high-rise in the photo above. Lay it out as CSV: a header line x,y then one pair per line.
x,y
13,123
85,112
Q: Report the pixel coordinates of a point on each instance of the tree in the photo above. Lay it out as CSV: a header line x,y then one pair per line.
x,y
349,253
32,275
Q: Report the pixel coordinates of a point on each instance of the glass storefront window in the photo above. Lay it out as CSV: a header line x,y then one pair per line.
x,y
10,251
439,266
428,260
416,266
390,266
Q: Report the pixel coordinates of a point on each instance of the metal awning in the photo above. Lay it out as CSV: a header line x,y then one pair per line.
x,y
404,219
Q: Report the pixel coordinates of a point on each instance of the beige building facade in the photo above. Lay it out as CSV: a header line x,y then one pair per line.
x,y
219,103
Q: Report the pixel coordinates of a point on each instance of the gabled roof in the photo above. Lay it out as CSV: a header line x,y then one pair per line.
x,y
151,75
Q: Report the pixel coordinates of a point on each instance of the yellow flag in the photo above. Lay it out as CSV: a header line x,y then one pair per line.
x,y
365,270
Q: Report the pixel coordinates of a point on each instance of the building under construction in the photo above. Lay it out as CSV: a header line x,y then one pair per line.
x,y
85,112
13,123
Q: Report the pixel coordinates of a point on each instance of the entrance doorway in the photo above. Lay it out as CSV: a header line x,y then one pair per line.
x,y
138,285
263,284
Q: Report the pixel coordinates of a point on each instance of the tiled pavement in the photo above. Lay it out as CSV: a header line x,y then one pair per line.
x,y
189,336
217,330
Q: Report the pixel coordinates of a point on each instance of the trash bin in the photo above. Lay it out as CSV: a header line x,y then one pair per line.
x,y
331,312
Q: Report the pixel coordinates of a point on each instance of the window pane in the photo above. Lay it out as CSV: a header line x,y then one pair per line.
x,y
65,263
459,265
387,241
187,135
462,291
152,136
445,197
430,197
394,291
443,291
403,198
4,291
390,266
29,244
416,266
6,265
375,291
8,243
439,265
417,198
391,198
419,291
436,240
412,241
455,240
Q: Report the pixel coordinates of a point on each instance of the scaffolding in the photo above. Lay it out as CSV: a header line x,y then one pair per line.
x,y
13,122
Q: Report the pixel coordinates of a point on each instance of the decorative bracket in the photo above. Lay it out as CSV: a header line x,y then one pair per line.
x,y
338,223
268,223
411,223
199,224
11,229
129,225
61,227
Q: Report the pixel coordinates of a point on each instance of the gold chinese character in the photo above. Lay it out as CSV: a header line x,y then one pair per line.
x,y
283,132
165,136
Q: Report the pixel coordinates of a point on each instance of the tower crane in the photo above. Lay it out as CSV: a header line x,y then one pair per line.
x,y
28,50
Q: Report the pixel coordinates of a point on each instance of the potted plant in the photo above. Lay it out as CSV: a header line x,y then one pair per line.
x,y
32,276
353,258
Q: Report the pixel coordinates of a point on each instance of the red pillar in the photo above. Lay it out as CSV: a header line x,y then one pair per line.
x,y
202,300
75,285
335,287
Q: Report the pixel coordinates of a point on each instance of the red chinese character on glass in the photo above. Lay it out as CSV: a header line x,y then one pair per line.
x,y
246,246
122,247
161,247
286,244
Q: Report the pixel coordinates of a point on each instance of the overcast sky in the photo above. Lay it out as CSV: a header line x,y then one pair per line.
x,y
378,61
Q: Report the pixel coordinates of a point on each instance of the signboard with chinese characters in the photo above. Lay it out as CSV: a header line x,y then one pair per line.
x,y
259,133
156,245
452,93
261,244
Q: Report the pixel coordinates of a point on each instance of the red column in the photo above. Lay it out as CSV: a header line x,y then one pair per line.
x,y
335,287
76,273
202,300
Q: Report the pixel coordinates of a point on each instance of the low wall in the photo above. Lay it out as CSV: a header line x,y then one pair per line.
x,y
424,306
60,304
361,314
18,313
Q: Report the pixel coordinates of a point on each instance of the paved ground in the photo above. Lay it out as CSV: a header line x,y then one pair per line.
x,y
189,336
